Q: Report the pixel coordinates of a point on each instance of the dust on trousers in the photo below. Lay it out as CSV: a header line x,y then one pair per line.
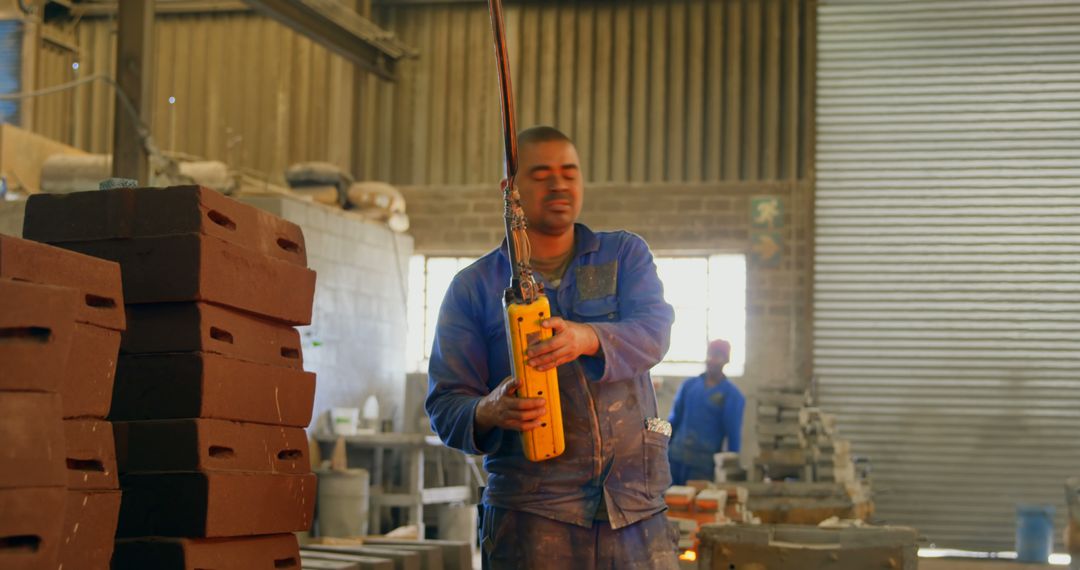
x,y
514,540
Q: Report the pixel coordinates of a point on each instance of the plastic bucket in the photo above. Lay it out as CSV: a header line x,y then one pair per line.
x,y
345,421
343,503
1034,533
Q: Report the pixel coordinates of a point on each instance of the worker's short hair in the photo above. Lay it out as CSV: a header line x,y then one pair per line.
x,y
542,134
721,345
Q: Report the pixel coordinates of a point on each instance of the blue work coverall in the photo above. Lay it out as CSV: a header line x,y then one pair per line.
x,y
544,514
703,418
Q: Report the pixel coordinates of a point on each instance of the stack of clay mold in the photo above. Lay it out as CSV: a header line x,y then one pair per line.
x,y
61,317
211,397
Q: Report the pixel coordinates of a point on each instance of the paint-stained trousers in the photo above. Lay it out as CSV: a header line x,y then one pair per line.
x,y
514,540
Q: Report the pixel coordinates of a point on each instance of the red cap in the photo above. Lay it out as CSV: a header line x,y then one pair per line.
x,y
721,345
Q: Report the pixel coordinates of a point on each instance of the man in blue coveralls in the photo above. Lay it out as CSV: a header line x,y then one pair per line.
x,y
708,411
600,503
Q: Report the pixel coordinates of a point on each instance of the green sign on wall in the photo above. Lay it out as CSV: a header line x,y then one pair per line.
x,y
766,213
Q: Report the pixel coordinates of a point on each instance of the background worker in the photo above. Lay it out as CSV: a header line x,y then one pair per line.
x,y
706,418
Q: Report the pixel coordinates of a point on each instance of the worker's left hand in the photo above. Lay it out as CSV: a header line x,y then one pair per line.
x,y
571,340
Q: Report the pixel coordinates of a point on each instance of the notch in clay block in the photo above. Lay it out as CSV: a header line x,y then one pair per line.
x,y
90,455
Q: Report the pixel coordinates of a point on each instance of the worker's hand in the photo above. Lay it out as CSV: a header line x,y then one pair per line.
x,y
571,340
501,408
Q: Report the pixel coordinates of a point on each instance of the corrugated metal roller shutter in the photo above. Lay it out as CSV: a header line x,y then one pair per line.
x,y
947,288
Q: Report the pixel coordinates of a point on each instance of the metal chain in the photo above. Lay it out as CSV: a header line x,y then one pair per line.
x,y
515,214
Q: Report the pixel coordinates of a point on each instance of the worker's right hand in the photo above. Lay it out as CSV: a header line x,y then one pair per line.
x,y
503,409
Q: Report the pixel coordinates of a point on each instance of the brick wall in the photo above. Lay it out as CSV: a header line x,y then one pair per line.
x,y
356,342
675,219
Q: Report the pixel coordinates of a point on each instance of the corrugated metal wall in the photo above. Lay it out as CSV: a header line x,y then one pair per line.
x,y
651,90
947,296
245,89
11,42
52,113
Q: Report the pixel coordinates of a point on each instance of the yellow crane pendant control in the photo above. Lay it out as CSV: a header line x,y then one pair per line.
x,y
523,328
525,303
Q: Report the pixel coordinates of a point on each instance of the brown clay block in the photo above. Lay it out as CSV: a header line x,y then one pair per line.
x,y
37,325
197,267
200,385
146,212
30,527
87,387
91,455
89,527
101,301
210,445
275,552
32,437
202,327
215,505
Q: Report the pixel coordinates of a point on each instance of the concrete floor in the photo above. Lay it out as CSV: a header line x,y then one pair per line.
x,y
955,564
947,564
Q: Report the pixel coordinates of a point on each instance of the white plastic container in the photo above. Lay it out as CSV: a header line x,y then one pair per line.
x,y
344,421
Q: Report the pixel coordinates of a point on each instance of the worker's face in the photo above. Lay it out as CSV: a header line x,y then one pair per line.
x,y
549,180
716,360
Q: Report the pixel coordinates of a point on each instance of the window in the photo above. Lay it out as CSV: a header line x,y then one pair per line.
x,y
429,278
708,294
709,297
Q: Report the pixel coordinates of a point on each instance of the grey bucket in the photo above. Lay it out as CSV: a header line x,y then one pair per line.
x,y
343,503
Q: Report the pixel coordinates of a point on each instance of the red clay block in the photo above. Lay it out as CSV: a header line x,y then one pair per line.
x,y
87,386
203,268
202,327
210,445
31,527
215,505
275,552
32,435
89,527
37,325
91,455
200,385
101,301
147,212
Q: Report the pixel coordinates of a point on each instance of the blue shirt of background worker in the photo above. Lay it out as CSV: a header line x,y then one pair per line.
x,y
707,413
601,501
